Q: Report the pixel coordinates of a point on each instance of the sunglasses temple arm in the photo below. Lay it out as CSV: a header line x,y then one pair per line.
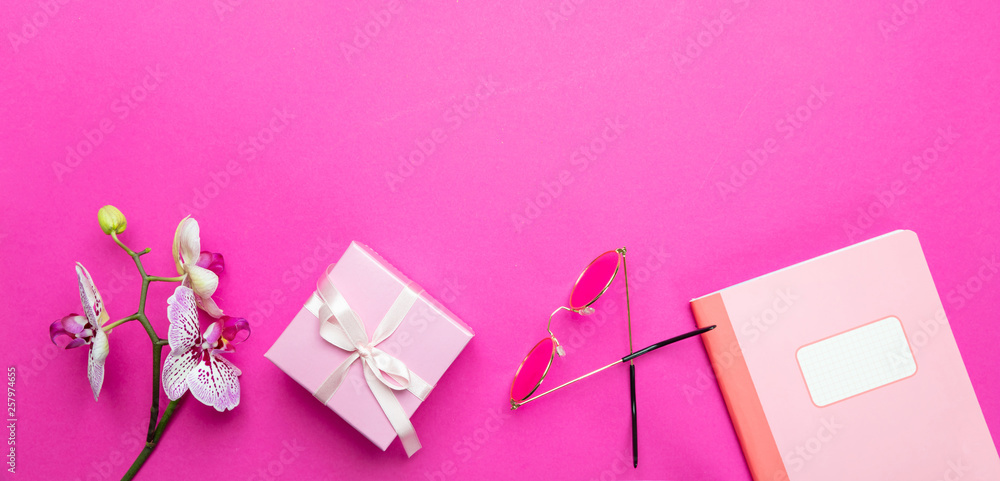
x,y
591,373
631,366
667,342
628,310
624,359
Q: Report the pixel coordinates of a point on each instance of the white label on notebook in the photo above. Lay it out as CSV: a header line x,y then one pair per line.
x,y
857,361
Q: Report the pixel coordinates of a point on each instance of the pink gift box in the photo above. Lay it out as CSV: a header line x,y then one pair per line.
x,y
428,340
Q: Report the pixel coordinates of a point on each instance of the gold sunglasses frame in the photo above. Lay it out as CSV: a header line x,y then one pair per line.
x,y
556,347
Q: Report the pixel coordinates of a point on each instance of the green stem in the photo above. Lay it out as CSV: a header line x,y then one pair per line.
x,y
165,279
114,236
155,430
154,410
151,444
108,327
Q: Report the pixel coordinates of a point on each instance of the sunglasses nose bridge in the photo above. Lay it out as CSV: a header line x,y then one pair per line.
x,y
559,349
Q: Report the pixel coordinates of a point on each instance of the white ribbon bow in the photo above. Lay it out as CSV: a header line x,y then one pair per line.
x,y
340,326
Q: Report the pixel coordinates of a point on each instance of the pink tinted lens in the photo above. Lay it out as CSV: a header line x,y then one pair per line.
x,y
532,369
593,280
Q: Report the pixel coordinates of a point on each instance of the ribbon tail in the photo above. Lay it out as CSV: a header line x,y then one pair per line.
x,y
394,411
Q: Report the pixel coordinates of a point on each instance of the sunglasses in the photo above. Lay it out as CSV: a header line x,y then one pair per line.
x,y
593,282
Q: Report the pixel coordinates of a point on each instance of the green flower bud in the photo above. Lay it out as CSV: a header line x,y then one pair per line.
x,y
111,220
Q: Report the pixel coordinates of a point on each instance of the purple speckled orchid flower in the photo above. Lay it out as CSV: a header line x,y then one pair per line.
x,y
194,361
79,330
201,269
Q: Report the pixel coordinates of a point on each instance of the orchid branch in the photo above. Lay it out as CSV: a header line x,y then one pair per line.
x,y
155,424
165,279
199,278
109,327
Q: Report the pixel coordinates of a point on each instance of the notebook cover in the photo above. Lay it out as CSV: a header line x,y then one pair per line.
x,y
845,367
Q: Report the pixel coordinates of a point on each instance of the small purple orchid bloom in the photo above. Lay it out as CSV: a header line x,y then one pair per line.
x,y
194,361
80,330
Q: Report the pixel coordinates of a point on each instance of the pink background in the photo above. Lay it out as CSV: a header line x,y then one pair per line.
x,y
496,222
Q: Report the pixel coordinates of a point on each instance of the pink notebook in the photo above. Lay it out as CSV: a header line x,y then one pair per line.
x,y
844,367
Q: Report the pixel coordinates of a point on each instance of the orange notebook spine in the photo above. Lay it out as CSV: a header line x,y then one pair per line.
x,y
737,387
